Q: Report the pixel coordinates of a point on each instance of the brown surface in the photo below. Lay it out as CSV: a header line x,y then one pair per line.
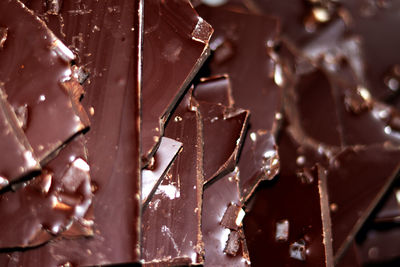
x,y
112,57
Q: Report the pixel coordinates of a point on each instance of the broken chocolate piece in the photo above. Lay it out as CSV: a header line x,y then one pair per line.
x,y
152,174
175,46
49,204
34,75
113,140
372,21
17,159
239,37
367,173
171,220
303,205
223,127
223,246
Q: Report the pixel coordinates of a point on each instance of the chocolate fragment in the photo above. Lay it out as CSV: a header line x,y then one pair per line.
x,y
153,173
176,43
303,205
372,21
372,169
239,37
113,140
389,209
223,246
171,221
33,76
17,159
223,126
49,204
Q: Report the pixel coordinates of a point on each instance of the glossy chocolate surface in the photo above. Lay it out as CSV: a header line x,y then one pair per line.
x,y
171,232
36,73
287,215
49,204
223,127
19,160
217,198
175,46
162,160
368,173
112,57
237,38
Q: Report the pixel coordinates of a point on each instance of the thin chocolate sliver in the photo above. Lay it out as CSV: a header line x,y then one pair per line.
x,y
113,146
34,66
171,220
176,43
46,206
223,127
237,38
162,160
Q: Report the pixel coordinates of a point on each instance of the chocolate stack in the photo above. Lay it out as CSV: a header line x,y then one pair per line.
x,y
222,133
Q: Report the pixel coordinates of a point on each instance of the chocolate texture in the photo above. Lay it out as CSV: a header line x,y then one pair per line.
x,y
36,75
176,43
171,220
237,38
162,160
19,160
223,245
224,126
112,56
48,205
288,215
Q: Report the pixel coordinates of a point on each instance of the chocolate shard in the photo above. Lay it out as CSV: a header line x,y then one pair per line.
x,y
171,220
46,206
216,89
237,38
33,76
18,160
162,160
224,245
290,217
371,20
176,43
223,126
372,169
112,91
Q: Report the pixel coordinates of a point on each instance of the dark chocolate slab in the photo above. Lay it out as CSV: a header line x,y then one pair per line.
x,y
112,57
223,127
367,173
35,69
162,160
17,158
171,232
237,38
175,46
49,204
217,198
288,223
